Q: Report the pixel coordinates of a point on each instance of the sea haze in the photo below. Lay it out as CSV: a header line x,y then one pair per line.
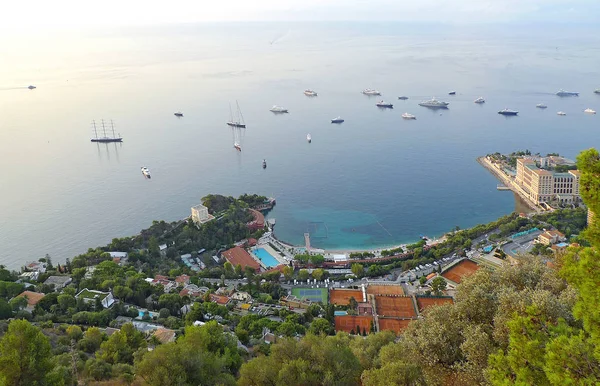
x,y
374,180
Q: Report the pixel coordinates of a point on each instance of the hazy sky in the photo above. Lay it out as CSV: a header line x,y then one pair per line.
x,y
34,14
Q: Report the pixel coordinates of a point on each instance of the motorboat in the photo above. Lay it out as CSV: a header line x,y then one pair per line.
x,y
508,112
146,172
434,103
408,116
563,93
452,93
541,106
278,109
562,113
370,92
31,87
403,98
479,100
337,120
264,164
178,114
310,93
597,91
384,105
237,146
308,138
589,111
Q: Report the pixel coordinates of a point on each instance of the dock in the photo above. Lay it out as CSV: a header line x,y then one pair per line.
x,y
503,187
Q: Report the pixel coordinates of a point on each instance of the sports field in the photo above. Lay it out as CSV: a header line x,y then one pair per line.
x,y
425,301
349,322
396,325
397,306
312,294
341,297
385,290
460,270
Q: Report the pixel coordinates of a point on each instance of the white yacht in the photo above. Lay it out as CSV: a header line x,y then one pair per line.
x,y
597,91
146,172
310,93
434,103
541,106
589,111
337,120
308,138
408,116
563,93
561,113
278,109
385,105
508,112
370,91
479,100
237,146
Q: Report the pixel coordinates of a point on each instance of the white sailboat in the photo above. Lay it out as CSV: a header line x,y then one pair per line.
x,y
309,138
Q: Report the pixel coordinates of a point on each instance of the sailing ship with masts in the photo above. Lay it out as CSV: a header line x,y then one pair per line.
x,y
238,120
105,138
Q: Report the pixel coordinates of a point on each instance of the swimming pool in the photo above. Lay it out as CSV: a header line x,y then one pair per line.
x,y
265,257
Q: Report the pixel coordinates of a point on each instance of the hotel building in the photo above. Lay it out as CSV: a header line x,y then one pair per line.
x,y
200,215
543,185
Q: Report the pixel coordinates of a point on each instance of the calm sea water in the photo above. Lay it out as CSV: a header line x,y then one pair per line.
x,y
374,180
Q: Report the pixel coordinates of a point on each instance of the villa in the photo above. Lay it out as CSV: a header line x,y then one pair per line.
x,y
90,296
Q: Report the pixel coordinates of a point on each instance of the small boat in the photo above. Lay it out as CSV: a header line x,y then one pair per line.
x,y
310,93
337,120
384,105
403,98
508,112
452,93
278,109
31,87
237,146
238,121
264,164
479,100
597,91
589,111
563,93
541,106
408,116
146,172
370,92
561,113
178,114
435,104
308,138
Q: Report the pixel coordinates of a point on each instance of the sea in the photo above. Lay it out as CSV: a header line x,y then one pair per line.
x,y
374,181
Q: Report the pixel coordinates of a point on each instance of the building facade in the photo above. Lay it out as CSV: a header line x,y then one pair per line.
x,y
200,215
544,186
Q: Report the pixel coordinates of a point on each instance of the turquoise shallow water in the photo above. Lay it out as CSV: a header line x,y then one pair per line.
x,y
265,257
374,180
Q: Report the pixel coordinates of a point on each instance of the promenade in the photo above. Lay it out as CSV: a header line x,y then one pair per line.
x,y
508,182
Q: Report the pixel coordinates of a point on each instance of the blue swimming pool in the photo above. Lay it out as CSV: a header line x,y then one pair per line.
x,y
265,257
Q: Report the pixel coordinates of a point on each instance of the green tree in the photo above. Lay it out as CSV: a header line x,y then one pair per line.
x,y
438,285
120,346
24,355
74,333
320,326
5,309
318,274
358,269
92,340
303,274
66,301
288,272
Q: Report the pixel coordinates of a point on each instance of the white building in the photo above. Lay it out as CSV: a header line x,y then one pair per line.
x,y
89,296
200,215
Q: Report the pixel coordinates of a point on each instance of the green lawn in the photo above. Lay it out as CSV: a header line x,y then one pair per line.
x,y
91,295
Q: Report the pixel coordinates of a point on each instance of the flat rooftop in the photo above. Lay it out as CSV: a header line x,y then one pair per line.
x,y
239,256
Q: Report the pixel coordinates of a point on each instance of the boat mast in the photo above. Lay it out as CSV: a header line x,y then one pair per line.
x,y
95,130
103,128
230,113
112,125
239,113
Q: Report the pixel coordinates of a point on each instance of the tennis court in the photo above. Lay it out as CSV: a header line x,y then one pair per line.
x,y
341,297
385,290
464,268
349,322
312,294
427,301
396,325
396,306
